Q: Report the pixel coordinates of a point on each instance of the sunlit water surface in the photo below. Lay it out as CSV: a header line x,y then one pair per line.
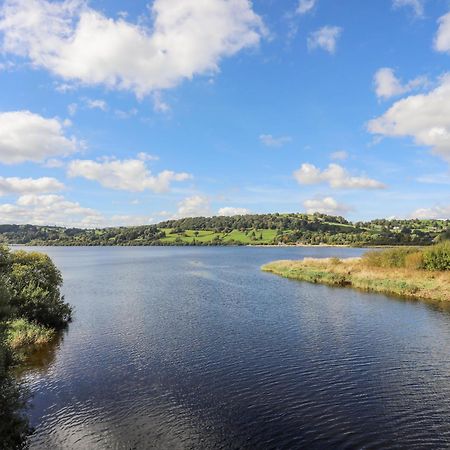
x,y
196,348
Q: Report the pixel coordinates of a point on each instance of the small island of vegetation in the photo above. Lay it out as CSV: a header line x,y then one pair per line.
x,y
417,273
32,311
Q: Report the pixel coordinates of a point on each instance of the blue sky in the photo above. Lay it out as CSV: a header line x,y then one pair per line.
x,y
172,108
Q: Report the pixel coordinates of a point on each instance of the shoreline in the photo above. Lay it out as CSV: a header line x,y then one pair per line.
x,y
227,245
405,283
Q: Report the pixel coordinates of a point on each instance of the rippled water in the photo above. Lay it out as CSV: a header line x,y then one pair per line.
x,y
197,348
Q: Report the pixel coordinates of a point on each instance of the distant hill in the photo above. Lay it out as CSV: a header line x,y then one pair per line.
x,y
254,229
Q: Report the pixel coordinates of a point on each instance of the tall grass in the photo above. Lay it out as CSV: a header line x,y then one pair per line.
x,y
22,333
436,257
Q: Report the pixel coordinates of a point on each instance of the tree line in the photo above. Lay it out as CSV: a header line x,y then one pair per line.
x,y
312,229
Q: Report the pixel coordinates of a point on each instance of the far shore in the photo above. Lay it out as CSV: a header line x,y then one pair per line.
x,y
352,272
46,244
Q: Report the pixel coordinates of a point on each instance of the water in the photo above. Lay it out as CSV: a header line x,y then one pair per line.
x,y
197,348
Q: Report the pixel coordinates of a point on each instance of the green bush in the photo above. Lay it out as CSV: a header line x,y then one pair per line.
x,y
30,306
437,257
34,284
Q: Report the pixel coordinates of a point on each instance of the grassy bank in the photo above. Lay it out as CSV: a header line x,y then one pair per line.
x,y
408,273
23,335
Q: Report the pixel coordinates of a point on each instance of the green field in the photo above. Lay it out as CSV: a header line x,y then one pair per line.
x,y
256,237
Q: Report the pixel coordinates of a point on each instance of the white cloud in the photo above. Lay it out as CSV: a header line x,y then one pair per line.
x,y
57,210
25,136
76,42
195,206
121,220
442,40
325,38
129,175
340,155
147,157
416,5
48,210
271,141
387,85
305,6
14,185
96,104
336,176
326,205
231,211
424,117
436,212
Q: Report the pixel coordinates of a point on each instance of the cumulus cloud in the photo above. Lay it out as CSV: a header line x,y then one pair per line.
x,y
436,212
129,175
325,38
325,205
78,43
195,206
387,85
57,210
340,155
336,176
25,136
48,210
305,6
271,141
14,185
417,6
442,40
231,211
424,117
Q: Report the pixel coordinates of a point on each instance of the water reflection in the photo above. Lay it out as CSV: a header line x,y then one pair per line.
x,y
38,361
197,348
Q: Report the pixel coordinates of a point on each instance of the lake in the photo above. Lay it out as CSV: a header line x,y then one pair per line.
x,y
196,348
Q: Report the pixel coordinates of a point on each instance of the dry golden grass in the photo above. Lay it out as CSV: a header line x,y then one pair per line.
x,y
353,272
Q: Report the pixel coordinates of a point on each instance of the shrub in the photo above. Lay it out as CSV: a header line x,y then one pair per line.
x,y
22,333
437,257
390,258
29,289
33,282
